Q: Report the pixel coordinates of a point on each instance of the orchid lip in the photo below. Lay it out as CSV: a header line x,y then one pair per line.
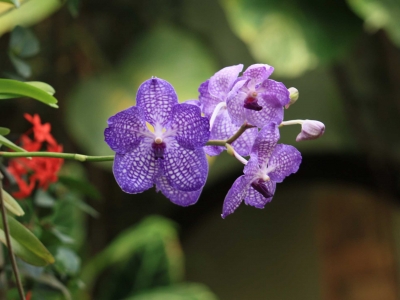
x,y
252,103
261,188
158,149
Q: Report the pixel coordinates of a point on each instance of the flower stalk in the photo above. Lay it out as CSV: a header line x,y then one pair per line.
x,y
9,245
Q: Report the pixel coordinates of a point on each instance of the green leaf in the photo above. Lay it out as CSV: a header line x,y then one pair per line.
x,y
14,87
73,7
66,239
43,199
15,2
43,86
67,262
23,43
4,131
25,244
6,142
11,204
81,186
183,291
22,67
52,281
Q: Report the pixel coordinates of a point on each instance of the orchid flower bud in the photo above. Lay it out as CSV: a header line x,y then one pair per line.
x,y
293,95
310,130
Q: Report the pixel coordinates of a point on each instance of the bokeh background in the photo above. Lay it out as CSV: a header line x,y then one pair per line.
x,y
332,230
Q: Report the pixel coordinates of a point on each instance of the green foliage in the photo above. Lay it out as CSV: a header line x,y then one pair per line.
x,y
73,7
6,142
183,291
11,204
15,2
379,14
293,35
67,262
25,244
14,89
4,131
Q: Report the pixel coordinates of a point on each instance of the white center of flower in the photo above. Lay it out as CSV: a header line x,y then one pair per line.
x,y
158,140
265,177
253,94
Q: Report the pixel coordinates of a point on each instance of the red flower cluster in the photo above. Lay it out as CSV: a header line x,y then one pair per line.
x,y
40,170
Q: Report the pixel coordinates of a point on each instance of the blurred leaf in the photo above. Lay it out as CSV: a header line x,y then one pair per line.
x,y
4,141
11,204
87,208
73,7
151,231
81,186
22,67
22,89
43,86
15,2
4,131
23,43
25,244
165,52
66,239
379,14
32,12
67,262
183,291
53,282
293,36
43,199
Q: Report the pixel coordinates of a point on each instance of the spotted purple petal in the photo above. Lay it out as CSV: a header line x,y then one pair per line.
x,y
235,107
258,72
185,169
192,130
265,143
285,160
124,130
235,196
222,81
254,198
176,196
277,93
155,98
135,171
207,101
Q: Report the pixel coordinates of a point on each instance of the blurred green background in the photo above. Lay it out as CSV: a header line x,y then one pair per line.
x,y
332,230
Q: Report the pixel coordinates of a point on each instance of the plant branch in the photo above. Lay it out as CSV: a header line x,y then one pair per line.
x,y
8,242
73,156
233,138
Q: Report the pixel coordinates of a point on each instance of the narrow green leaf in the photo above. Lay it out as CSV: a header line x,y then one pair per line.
x,y
67,262
6,142
11,204
66,239
43,86
25,244
4,131
9,86
9,96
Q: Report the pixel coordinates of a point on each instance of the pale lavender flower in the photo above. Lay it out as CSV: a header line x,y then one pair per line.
x,y
257,100
269,164
213,95
171,156
310,130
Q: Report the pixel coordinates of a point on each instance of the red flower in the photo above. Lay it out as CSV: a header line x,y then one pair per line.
x,y
40,170
28,295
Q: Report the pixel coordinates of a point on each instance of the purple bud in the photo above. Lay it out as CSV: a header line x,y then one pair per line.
x,y
310,130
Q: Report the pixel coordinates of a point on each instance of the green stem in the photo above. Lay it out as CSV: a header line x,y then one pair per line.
x,y
233,138
73,156
9,245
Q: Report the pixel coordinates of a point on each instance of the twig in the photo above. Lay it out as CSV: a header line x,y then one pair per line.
x,y
8,242
73,156
233,138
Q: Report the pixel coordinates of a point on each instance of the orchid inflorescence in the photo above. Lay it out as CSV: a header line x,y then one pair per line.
x,y
164,143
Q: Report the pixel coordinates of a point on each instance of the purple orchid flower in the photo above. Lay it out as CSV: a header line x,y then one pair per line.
x,y
213,96
269,164
256,99
171,156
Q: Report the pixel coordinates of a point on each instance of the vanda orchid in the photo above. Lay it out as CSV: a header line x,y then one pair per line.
x,y
242,114
163,143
